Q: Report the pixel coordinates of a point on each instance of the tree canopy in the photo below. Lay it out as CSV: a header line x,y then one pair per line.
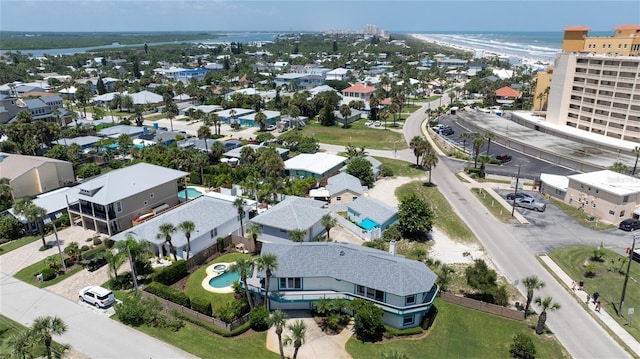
x,y
415,217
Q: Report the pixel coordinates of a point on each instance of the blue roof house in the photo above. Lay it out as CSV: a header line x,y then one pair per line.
x,y
372,215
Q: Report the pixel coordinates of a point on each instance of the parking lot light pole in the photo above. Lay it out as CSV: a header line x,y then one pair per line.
x,y
515,191
626,278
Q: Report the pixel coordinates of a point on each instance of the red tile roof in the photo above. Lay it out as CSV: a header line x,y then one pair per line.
x,y
386,101
628,27
576,28
507,92
359,88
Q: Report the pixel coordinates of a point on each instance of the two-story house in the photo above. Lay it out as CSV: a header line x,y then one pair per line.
x,y
111,202
307,272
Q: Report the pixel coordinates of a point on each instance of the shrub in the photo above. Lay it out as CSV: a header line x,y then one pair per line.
x,y
220,244
10,228
97,241
84,248
211,328
368,324
171,274
522,347
386,171
403,332
44,248
168,293
201,306
429,318
88,170
109,243
136,311
48,274
68,262
122,282
232,310
259,319
590,271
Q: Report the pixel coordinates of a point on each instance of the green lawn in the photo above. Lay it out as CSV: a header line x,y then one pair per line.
x,y
27,274
608,280
581,216
446,218
203,344
497,209
193,287
357,134
401,168
459,332
13,245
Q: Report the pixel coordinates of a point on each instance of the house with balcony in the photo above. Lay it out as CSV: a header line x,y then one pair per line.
x,y
213,217
359,91
111,202
307,272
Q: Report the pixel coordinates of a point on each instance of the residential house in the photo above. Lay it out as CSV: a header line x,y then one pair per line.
x,y
297,81
250,119
42,107
344,188
319,165
359,91
183,75
85,142
212,217
376,166
507,95
354,116
340,74
293,213
605,194
372,215
111,202
32,175
307,272
115,131
236,152
231,115
54,203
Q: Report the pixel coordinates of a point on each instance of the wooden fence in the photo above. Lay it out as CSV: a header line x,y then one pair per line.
x,y
482,306
192,313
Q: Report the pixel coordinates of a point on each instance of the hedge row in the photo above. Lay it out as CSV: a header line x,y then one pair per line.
x,y
171,274
211,328
403,332
168,293
201,306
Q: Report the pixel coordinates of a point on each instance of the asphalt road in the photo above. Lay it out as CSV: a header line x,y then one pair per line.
x,y
581,335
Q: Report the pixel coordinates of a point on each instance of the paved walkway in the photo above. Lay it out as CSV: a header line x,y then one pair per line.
x,y
604,317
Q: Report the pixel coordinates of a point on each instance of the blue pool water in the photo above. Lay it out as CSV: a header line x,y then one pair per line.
x,y
191,192
224,280
368,224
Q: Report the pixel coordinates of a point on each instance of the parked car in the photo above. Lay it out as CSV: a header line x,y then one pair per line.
x,y
511,196
446,131
271,127
438,127
530,203
377,124
96,295
636,255
629,224
95,264
504,158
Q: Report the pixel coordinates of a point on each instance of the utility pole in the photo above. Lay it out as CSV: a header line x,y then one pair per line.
x,y
626,278
515,191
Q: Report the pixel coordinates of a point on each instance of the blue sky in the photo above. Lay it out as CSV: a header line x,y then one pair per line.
x,y
318,15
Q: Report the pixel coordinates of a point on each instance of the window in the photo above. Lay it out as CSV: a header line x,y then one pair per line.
x,y
625,199
622,213
370,293
593,204
410,300
290,283
612,212
339,198
408,320
118,206
213,232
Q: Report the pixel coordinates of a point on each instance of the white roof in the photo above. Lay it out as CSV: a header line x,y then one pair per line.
x,y
239,112
555,181
314,163
338,71
268,113
609,181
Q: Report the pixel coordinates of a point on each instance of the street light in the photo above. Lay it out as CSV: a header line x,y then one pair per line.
x,y
626,278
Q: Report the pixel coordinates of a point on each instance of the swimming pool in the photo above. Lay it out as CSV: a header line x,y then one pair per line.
x,y
190,192
368,224
224,280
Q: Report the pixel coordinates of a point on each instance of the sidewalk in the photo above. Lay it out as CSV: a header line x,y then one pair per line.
x,y
603,316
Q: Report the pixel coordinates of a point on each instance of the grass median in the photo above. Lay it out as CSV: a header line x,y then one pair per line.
x,y
496,208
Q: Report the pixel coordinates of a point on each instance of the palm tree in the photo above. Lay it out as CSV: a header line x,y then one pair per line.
x,y
345,112
113,262
489,136
393,354
243,266
215,119
430,160
297,235
532,283
33,214
328,222
267,262
546,304
253,231
44,328
636,151
239,204
416,144
294,113
278,320
298,333
477,140
618,167
22,345
261,120
140,251
187,227
464,137
165,231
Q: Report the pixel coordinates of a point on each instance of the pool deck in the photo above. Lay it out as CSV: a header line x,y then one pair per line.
x,y
212,273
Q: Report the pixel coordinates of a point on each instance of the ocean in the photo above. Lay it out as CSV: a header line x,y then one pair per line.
x,y
528,46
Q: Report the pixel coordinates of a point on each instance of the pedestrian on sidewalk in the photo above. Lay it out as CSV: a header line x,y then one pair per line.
x,y
595,297
588,297
573,285
598,306
581,285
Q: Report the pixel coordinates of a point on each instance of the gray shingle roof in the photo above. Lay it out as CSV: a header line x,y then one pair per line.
x,y
205,212
374,162
293,213
355,264
344,182
125,182
373,209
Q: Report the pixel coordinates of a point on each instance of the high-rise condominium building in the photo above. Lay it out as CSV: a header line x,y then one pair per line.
x,y
596,83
